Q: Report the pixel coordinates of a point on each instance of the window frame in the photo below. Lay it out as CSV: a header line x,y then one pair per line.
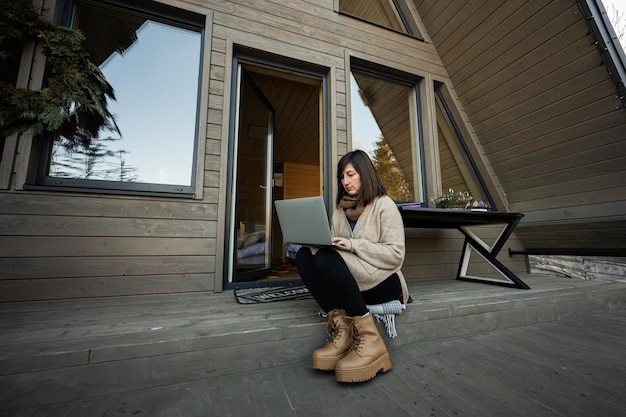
x,y
417,146
157,12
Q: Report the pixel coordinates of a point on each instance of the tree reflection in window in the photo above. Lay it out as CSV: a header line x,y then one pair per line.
x,y
94,161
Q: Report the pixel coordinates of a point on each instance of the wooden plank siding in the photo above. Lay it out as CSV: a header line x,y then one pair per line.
x,y
62,245
66,246
330,39
544,111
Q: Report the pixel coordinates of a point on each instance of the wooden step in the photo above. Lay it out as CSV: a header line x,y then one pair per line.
x,y
62,351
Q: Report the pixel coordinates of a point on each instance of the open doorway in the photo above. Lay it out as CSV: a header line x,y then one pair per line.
x,y
277,149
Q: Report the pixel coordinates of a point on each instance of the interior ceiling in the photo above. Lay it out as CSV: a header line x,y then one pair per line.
x,y
296,104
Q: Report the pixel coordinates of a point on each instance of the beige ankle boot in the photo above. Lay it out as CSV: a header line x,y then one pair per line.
x,y
367,356
338,327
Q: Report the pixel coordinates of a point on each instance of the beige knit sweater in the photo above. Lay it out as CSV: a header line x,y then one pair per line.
x,y
378,244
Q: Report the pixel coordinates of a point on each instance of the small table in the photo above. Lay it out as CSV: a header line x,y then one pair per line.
x,y
462,220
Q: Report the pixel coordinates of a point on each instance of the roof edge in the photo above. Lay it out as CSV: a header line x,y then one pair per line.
x,y
607,42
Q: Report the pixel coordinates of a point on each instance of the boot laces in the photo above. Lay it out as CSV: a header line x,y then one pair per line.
x,y
333,330
358,339
330,328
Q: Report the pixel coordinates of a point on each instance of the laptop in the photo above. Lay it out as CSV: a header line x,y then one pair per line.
x,y
305,221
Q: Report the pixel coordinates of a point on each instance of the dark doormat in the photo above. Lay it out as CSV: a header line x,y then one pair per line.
x,y
270,294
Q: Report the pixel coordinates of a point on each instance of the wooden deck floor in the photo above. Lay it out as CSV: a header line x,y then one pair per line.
x,y
571,368
464,349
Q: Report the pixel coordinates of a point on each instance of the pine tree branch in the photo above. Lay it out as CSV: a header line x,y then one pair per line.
x,y
73,102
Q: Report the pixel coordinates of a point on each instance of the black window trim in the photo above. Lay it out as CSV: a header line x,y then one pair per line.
x,y
413,80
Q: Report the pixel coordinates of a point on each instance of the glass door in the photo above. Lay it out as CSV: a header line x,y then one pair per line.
x,y
253,182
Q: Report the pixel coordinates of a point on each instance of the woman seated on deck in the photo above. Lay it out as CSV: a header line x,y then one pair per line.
x,y
368,223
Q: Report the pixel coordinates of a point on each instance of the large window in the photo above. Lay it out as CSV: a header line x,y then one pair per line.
x,y
152,60
384,112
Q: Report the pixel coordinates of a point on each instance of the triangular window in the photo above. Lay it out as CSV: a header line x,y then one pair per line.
x,y
396,15
458,170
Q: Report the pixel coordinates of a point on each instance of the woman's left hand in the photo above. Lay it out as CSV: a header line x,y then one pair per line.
x,y
345,242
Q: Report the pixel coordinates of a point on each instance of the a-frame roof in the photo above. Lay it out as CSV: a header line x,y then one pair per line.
x,y
541,84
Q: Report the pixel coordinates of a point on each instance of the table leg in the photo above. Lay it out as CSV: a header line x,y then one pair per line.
x,y
488,253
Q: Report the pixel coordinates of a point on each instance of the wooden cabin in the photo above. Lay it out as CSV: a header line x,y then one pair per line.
x,y
226,106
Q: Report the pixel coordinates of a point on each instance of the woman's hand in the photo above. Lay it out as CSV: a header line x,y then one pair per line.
x,y
345,242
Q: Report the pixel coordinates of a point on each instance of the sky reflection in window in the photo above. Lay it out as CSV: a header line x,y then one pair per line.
x,y
156,86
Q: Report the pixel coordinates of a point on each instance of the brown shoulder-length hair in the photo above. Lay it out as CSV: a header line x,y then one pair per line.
x,y
371,184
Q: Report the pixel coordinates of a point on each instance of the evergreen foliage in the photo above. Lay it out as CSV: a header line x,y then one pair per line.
x,y
387,167
73,102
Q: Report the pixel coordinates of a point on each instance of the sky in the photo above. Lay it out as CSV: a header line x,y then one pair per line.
x,y
158,126
365,131
620,6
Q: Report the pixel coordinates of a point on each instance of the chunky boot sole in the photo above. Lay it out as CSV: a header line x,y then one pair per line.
x,y
365,373
325,364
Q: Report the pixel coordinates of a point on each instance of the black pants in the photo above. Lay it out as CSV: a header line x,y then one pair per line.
x,y
331,283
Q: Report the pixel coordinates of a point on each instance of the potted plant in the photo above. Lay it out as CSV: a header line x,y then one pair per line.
x,y
453,200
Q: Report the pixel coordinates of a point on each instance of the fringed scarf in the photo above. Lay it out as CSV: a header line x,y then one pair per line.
x,y
386,312
352,206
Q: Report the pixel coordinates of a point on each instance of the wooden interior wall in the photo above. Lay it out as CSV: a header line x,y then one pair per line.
x,y
544,109
59,245
301,180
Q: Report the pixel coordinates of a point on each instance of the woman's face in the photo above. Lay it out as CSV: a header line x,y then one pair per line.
x,y
351,180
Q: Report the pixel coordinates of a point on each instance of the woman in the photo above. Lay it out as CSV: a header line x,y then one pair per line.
x,y
368,223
